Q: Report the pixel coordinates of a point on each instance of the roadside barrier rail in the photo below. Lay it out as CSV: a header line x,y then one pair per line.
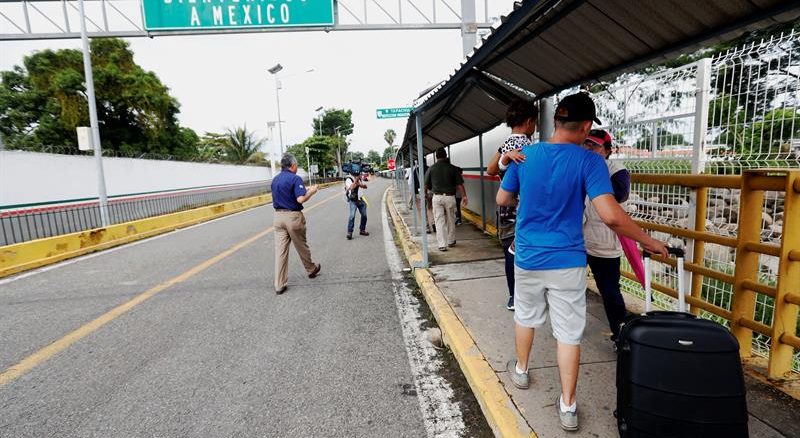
x,y
748,287
24,223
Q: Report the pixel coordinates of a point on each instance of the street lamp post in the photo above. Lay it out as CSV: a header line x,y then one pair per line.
x,y
274,71
98,151
319,120
339,149
275,157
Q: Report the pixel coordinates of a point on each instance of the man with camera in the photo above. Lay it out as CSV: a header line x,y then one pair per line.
x,y
352,184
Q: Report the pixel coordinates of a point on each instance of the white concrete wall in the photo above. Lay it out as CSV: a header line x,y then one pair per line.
x,y
27,177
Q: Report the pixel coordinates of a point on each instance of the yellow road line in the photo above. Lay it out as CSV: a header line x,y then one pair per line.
x,y
15,371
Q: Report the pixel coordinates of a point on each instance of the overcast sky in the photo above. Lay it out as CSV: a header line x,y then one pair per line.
x,y
222,81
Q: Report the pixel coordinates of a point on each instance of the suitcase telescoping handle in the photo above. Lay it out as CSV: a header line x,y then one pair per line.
x,y
648,291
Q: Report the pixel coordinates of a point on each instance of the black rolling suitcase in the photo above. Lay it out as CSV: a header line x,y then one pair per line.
x,y
677,375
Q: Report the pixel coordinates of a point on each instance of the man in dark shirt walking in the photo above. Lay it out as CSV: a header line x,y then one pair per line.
x,y
288,196
444,179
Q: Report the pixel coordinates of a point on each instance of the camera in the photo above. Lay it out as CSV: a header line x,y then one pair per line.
x,y
352,168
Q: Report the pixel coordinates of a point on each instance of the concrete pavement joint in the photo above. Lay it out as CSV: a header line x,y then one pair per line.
x,y
501,412
15,371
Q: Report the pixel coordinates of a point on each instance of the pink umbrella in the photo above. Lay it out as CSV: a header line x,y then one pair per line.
x,y
634,257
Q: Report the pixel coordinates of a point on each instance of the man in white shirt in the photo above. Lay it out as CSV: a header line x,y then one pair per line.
x,y
352,184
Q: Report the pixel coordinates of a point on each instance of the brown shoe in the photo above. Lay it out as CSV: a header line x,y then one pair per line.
x,y
316,271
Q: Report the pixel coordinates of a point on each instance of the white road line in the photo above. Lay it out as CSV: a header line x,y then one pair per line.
x,y
116,248
441,414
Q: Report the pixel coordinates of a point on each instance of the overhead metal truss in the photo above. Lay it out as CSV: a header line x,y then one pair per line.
x,y
60,19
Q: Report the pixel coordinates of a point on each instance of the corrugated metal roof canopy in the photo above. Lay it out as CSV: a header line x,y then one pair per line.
x,y
546,46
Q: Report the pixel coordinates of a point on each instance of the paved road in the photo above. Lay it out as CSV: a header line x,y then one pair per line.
x,y
213,351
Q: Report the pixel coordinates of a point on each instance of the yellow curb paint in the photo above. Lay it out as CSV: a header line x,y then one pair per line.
x,y
499,409
41,252
476,219
15,371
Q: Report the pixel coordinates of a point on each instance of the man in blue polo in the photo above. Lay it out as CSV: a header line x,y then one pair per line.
x,y
550,262
288,196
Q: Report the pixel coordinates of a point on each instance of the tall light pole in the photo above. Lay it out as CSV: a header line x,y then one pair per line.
x,y
339,149
275,157
98,151
274,71
319,120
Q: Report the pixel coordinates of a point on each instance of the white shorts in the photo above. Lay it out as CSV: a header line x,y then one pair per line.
x,y
562,291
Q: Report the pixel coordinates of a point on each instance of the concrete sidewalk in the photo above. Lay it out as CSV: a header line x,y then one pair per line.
x,y
471,278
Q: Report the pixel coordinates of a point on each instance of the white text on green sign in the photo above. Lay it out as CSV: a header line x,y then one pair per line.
x,y
225,14
388,113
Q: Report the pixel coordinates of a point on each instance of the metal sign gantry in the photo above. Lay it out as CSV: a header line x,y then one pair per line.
x,y
60,19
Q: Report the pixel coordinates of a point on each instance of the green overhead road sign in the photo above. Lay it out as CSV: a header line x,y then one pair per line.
x,y
228,14
393,113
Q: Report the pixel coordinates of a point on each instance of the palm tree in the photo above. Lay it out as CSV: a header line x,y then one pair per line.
x,y
389,136
240,145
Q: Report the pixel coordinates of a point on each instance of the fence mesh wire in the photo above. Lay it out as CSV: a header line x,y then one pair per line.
x,y
753,122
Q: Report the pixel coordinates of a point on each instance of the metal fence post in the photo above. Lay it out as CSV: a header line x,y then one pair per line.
x,y
414,206
424,208
784,317
654,140
744,300
547,111
483,193
698,199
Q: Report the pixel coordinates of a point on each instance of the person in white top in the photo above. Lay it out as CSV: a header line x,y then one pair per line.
x,y
521,117
352,185
603,250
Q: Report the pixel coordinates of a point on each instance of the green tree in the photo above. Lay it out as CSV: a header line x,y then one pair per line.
x,y
321,150
388,153
43,101
332,118
663,138
240,145
389,136
211,147
373,157
355,156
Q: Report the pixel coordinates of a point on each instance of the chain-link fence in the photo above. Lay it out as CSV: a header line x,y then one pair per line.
x,y
742,107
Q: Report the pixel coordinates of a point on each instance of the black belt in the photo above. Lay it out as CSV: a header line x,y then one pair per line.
x,y
286,209
444,194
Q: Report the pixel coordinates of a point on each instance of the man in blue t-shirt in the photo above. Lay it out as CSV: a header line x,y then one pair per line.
x,y
288,195
550,265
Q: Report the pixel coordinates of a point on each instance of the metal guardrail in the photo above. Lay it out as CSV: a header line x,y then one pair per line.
x,y
48,220
747,310
54,219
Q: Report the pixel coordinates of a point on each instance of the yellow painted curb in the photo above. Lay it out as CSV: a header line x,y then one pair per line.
x,y
500,411
37,253
476,219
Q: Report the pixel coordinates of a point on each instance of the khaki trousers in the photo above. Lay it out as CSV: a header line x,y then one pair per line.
x,y
444,213
290,226
428,212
